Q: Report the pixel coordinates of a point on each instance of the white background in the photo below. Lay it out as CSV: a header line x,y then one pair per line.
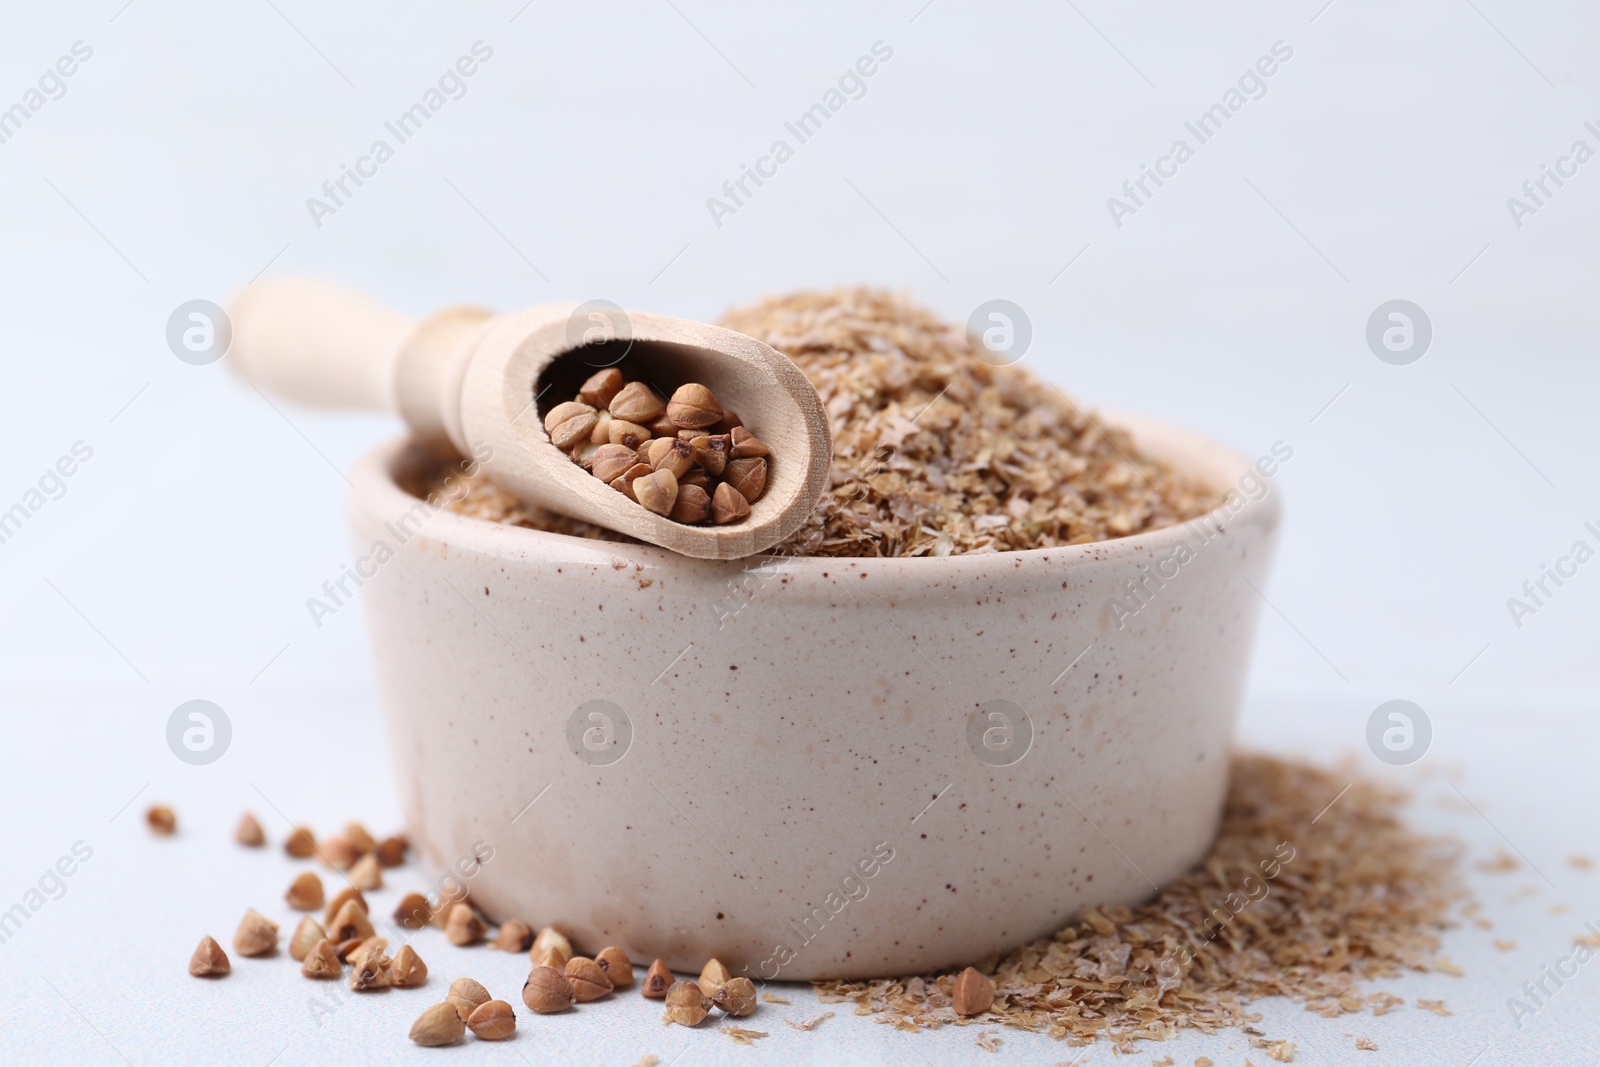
x,y
978,164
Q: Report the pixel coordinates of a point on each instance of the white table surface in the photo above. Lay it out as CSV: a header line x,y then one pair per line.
x,y
99,975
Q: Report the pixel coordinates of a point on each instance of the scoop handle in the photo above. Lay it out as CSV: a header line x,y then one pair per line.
x,y
321,344
318,344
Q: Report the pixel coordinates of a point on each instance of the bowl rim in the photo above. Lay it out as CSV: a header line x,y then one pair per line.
x,y
375,492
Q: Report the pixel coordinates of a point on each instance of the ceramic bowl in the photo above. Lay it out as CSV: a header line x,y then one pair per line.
x,y
811,768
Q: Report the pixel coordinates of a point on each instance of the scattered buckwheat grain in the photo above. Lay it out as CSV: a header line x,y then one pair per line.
x,y
588,979
547,991
464,927
493,1020
256,936
369,965
338,852
366,874
321,961
617,966
406,970
413,912
351,922
340,899
305,938
972,993
360,838
550,939
391,851
438,1025
301,843
209,961
248,832
657,980
305,892
735,997
514,936
686,1004
466,995
712,977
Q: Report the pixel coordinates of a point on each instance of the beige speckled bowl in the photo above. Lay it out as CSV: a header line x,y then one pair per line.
x,y
812,767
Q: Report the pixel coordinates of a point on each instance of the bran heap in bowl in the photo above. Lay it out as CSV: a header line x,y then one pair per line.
x,y
935,451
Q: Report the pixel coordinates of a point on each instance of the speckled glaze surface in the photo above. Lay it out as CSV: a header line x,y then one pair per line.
x,y
811,767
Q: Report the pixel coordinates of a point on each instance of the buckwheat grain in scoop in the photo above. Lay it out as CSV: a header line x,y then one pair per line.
x,y
693,407
601,387
671,457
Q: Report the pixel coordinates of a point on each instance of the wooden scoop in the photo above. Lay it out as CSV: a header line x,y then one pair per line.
x,y
477,383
